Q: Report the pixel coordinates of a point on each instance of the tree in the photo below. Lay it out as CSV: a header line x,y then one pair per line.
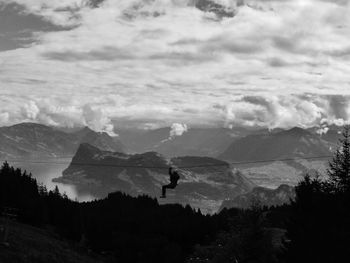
x,y
56,192
306,227
5,168
339,167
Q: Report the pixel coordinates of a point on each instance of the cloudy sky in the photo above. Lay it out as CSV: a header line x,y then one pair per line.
x,y
115,63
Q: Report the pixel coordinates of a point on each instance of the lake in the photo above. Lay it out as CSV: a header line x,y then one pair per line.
x,y
47,170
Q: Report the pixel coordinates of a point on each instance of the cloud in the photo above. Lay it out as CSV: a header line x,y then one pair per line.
x,y
97,120
4,117
62,13
18,28
286,111
115,112
55,112
31,110
273,63
177,129
322,130
106,54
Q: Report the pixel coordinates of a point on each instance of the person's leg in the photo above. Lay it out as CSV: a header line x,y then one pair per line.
x,y
170,186
163,190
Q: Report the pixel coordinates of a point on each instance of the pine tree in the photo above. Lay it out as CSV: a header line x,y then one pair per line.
x,y
339,167
55,193
5,168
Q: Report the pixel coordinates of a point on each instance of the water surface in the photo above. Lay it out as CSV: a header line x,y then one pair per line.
x,y
45,170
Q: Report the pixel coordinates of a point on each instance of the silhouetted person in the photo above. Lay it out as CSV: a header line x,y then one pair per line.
x,y
174,177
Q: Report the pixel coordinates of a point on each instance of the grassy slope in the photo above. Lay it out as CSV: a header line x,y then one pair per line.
x,y
30,244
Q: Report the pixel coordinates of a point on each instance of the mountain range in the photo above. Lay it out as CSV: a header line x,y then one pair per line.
x,y
249,152
102,172
31,140
292,143
193,142
236,144
282,156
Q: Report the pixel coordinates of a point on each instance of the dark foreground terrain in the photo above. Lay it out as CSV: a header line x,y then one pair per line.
x,y
31,244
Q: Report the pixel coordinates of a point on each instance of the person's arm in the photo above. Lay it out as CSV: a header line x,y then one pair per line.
x,y
170,170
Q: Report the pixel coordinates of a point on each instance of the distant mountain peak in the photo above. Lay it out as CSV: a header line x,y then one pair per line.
x,y
87,146
295,131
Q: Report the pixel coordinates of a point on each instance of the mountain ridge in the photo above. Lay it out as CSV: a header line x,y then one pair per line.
x,y
292,143
32,140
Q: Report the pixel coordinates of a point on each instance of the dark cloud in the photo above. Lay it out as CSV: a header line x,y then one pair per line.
x,y
137,10
236,83
263,102
229,45
9,41
114,53
278,62
186,41
17,27
152,34
14,18
105,54
338,2
211,6
342,53
257,100
338,106
95,3
191,111
288,44
183,57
